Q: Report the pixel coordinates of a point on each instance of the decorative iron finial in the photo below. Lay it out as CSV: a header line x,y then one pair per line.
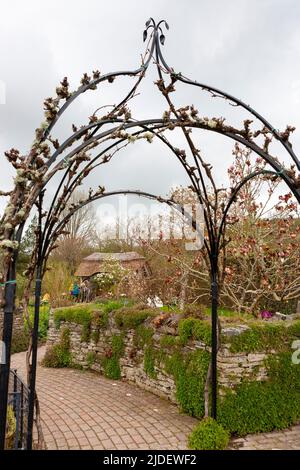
x,y
157,28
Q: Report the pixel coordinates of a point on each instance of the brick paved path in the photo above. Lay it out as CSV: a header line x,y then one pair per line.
x,y
288,439
83,410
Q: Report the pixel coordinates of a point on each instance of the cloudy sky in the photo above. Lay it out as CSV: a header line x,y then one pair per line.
x,y
250,48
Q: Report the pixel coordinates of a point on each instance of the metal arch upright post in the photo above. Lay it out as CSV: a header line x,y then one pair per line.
x,y
10,292
32,374
9,308
214,334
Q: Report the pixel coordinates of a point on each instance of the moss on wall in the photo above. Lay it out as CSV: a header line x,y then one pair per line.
x,y
264,337
192,328
111,360
189,372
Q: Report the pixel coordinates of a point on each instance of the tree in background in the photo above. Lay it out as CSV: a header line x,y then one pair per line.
x,y
80,234
262,258
57,282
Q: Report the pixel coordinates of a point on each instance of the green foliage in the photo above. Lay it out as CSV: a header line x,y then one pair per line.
x,y
103,319
294,329
229,314
43,320
112,305
189,372
281,370
99,320
10,428
117,344
192,328
20,338
111,362
90,358
264,406
169,308
95,335
59,354
21,283
20,341
265,337
149,362
80,314
131,317
208,435
112,368
143,336
167,341
29,238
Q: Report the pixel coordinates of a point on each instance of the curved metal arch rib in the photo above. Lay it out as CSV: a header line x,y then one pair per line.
x,y
159,124
180,77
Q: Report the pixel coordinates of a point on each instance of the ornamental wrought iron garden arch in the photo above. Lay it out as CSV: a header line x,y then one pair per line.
x,y
77,157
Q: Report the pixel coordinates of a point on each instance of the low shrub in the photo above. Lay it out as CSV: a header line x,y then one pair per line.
x,y
59,354
20,341
208,435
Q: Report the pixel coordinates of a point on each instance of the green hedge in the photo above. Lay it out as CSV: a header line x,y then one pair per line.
x,y
59,354
264,406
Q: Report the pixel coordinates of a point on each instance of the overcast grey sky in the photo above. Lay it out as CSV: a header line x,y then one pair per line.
x,y
250,48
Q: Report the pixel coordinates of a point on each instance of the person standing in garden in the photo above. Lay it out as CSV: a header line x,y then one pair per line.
x,y
75,291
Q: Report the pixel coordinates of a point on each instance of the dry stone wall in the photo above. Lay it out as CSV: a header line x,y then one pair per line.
x,y
232,368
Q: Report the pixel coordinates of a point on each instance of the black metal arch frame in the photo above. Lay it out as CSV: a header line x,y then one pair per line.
x,y
119,127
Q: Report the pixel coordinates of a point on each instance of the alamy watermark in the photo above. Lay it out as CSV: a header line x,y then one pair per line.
x,y
2,352
296,353
143,221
